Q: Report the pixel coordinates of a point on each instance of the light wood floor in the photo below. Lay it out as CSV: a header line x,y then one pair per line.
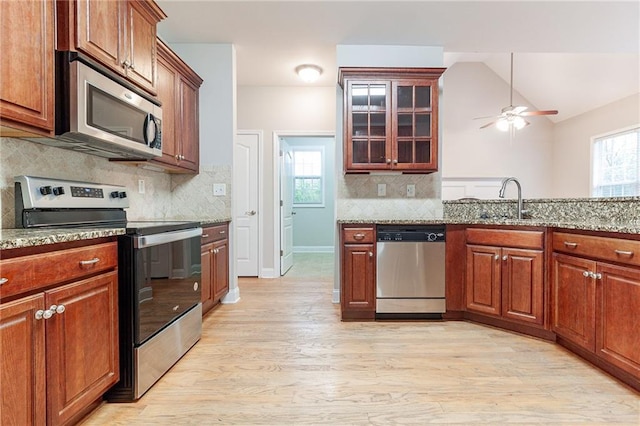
x,y
282,356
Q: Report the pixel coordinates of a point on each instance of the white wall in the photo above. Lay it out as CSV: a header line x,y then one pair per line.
x,y
280,109
571,170
474,90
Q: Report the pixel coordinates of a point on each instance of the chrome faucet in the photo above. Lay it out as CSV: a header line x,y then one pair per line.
x,y
504,186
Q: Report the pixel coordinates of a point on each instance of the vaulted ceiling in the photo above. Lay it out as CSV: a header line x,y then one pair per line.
x,y
573,56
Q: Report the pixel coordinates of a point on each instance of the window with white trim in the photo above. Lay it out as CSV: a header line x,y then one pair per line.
x,y
615,164
308,176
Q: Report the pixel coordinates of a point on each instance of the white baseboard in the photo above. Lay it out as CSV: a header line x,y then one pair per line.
x,y
232,297
268,273
335,298
313,249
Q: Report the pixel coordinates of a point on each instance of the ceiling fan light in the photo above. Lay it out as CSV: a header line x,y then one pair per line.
x,y
502,124
519,123
308,73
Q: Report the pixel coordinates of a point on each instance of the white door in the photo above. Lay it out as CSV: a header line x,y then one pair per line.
x,y
245,201
286,207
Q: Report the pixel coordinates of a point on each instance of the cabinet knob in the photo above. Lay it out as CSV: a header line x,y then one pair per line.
x,y
597,276
388,160
4,280
586,274
395,161
370,254
496,257
60,309
504,257
126,63
39,314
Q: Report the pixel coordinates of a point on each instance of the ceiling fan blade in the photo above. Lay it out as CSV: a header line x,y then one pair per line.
x,y
489,124
546,112
518,109
485,117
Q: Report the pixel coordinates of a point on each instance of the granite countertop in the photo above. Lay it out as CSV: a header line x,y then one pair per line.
x,y
12,238
630,227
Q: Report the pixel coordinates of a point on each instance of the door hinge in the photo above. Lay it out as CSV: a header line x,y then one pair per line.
x,y
281,203
281,153
281,253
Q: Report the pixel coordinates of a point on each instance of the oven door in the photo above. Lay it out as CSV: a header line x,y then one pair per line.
x,y
167,275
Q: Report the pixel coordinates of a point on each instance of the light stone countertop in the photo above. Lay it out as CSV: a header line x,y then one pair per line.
x,y
13,238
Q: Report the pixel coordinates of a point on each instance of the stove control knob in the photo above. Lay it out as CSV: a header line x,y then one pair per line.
x,y
45,190
122,194
58,190
114,194
431,236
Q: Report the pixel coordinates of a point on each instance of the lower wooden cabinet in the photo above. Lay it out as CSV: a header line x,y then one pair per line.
x,y
358,273
506,282
215,265
596,302
60,345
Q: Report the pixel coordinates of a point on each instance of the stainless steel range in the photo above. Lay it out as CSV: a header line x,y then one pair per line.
x,y
159,270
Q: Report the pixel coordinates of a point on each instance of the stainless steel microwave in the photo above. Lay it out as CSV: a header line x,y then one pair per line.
x,y
100,113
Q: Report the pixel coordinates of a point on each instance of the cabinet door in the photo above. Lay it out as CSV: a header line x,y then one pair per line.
x,y
573,294
523,285
167,94
220,269
483,279
98,30
368,125
27,37
358,279
22,373
618,316
82,345
207,277
415,128
140,39
189,126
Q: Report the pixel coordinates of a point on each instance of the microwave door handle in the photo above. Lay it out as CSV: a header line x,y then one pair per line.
x,y
149,120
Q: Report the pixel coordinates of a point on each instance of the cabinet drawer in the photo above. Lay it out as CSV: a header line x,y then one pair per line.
x,y
506,238
604,248
29,273
215,233
358,235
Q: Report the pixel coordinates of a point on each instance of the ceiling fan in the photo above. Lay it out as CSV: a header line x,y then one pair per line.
x,y
511,116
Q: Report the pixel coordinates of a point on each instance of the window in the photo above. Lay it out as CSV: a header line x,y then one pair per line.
x,y
308,182
615,165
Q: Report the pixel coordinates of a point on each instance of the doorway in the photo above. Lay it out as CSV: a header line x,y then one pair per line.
x,y
308,228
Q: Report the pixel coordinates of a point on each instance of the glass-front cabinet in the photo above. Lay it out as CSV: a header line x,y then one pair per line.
x,y
391,119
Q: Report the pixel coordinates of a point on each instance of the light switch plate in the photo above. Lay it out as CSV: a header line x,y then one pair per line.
x,y
411,190
140,186
382,189
219,189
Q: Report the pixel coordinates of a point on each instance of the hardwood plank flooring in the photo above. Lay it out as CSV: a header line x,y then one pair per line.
x,y
282,356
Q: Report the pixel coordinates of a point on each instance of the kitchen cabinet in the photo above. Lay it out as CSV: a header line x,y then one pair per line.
x,y
27,38
215,265
596,297
358,269
178,90
61,325
121,35
505,274
390,119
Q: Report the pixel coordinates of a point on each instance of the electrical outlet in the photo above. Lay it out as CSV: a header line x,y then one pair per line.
x,y
219,189
382,189
411,190
140,186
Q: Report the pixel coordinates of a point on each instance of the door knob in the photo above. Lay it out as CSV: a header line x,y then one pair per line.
x,y
251,213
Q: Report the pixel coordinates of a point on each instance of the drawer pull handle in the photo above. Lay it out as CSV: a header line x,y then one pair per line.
x,y
358,237
624,253
205,235
223,232
570,245
90,262
4,280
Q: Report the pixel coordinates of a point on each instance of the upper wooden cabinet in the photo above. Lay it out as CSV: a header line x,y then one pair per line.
x,y
390,119
27,35
178,90
119,34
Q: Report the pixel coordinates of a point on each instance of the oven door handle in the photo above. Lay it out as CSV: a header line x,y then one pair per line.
x,y
166,237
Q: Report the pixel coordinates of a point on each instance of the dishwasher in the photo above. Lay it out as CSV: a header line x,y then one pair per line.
x,y
410,271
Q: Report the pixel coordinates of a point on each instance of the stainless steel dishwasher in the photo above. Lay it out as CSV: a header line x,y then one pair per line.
x,y
410,271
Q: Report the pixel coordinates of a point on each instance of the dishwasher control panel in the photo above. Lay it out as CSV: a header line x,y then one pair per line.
x,y
428,233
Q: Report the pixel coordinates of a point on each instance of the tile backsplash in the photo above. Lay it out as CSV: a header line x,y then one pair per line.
x,y
166,196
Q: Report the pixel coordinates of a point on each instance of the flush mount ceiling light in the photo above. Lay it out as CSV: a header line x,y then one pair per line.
x,y
308,73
